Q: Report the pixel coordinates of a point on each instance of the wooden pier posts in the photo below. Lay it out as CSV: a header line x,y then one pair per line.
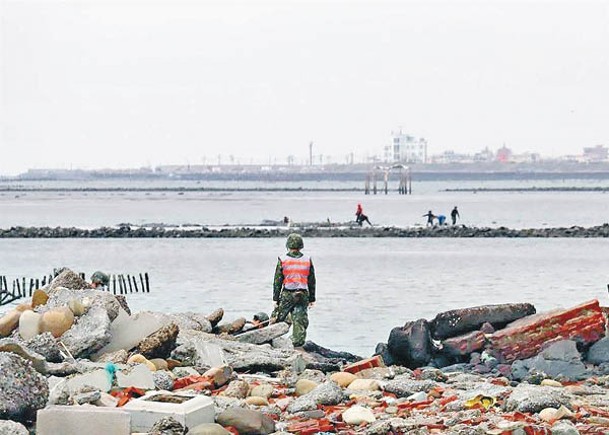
x,y
22,288
404,184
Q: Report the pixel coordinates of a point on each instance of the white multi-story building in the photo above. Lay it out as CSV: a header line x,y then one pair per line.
x,y
406,149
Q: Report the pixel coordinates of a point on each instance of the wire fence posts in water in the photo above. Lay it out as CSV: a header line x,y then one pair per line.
x,y
24,287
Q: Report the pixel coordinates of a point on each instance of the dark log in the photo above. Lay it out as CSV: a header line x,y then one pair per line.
x,y
456,322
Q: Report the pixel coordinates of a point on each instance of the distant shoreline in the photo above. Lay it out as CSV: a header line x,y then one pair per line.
x,y
457,231
530,189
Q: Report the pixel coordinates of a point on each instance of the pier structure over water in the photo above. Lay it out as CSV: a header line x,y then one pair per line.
x,y
405,179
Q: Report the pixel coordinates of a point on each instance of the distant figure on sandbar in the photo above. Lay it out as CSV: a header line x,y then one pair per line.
x,y
430,217
360,217
454,215
286,221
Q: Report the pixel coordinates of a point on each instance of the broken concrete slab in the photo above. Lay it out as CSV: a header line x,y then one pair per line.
x,y
100,379
264,335
128,331
138,376
464,344
189,411
89,334
71,420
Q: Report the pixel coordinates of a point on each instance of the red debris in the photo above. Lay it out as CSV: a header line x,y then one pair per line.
x,y
524,338
126,394
464,344
375,361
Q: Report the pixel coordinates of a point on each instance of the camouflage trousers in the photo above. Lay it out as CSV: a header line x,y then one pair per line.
x,y
294,303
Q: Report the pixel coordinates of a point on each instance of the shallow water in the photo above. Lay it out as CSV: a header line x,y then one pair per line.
x,y
365,286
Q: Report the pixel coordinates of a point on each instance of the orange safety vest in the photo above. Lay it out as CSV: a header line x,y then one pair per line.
x,y
296,272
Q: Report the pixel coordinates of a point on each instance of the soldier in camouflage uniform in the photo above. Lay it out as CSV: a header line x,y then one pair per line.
x,y
99,279
294,288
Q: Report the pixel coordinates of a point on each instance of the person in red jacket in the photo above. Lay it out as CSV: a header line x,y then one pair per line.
x,y
360,217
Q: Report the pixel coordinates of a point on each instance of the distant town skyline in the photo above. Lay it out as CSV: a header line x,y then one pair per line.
x,y
96,84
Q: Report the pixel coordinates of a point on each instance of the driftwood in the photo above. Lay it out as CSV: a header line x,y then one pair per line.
x,y
456,322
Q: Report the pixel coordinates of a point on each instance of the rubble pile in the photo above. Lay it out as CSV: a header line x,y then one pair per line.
x,y
76,356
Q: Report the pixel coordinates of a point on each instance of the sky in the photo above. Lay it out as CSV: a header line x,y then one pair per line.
x,y
119,84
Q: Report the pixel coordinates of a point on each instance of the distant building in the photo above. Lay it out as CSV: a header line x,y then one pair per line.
x,y
504,154
597,153
405,149
486,155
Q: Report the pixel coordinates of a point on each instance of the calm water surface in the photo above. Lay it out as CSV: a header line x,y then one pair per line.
x,y
365,286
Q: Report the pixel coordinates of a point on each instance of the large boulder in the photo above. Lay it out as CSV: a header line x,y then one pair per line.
x,y
411,344
9,322
13,346
8,427
560,360
46,345
23,390
64,297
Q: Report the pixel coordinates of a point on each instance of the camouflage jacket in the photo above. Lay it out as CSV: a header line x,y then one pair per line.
x,y
278,281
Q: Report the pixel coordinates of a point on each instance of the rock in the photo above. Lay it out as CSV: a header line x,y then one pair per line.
x,y
264,335
23,307
119,357
407,387
238,389
77,308
167,426
456,322
326,394
8,427
162,380
39,298
256,401
464,344
23,390
57,321
548,414
219,375
316,376
159,364
9,322
343,379
599,352
29,325
107,401
304,386
90,334
560,359
86,394
364,384
357,415
161,343
62,297
208,429
231,328
263,390
46,345
12,346
550,383
215,317
410,345
564,428
531,398
247,421
141,359
69,280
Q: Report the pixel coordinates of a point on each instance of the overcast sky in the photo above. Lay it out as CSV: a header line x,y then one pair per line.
x,y
97,84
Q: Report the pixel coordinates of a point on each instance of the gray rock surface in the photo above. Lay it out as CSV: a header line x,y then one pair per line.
x,y
67,279
23,390
9,427
264,335
560,360
329,393
89,334
46,345
532,398
89,298
162,380
13,346
403,387
599,352
167,426
208,429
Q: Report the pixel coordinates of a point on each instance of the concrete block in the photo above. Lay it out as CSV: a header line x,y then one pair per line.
x,y
188,410
99,379
138,376
76,420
